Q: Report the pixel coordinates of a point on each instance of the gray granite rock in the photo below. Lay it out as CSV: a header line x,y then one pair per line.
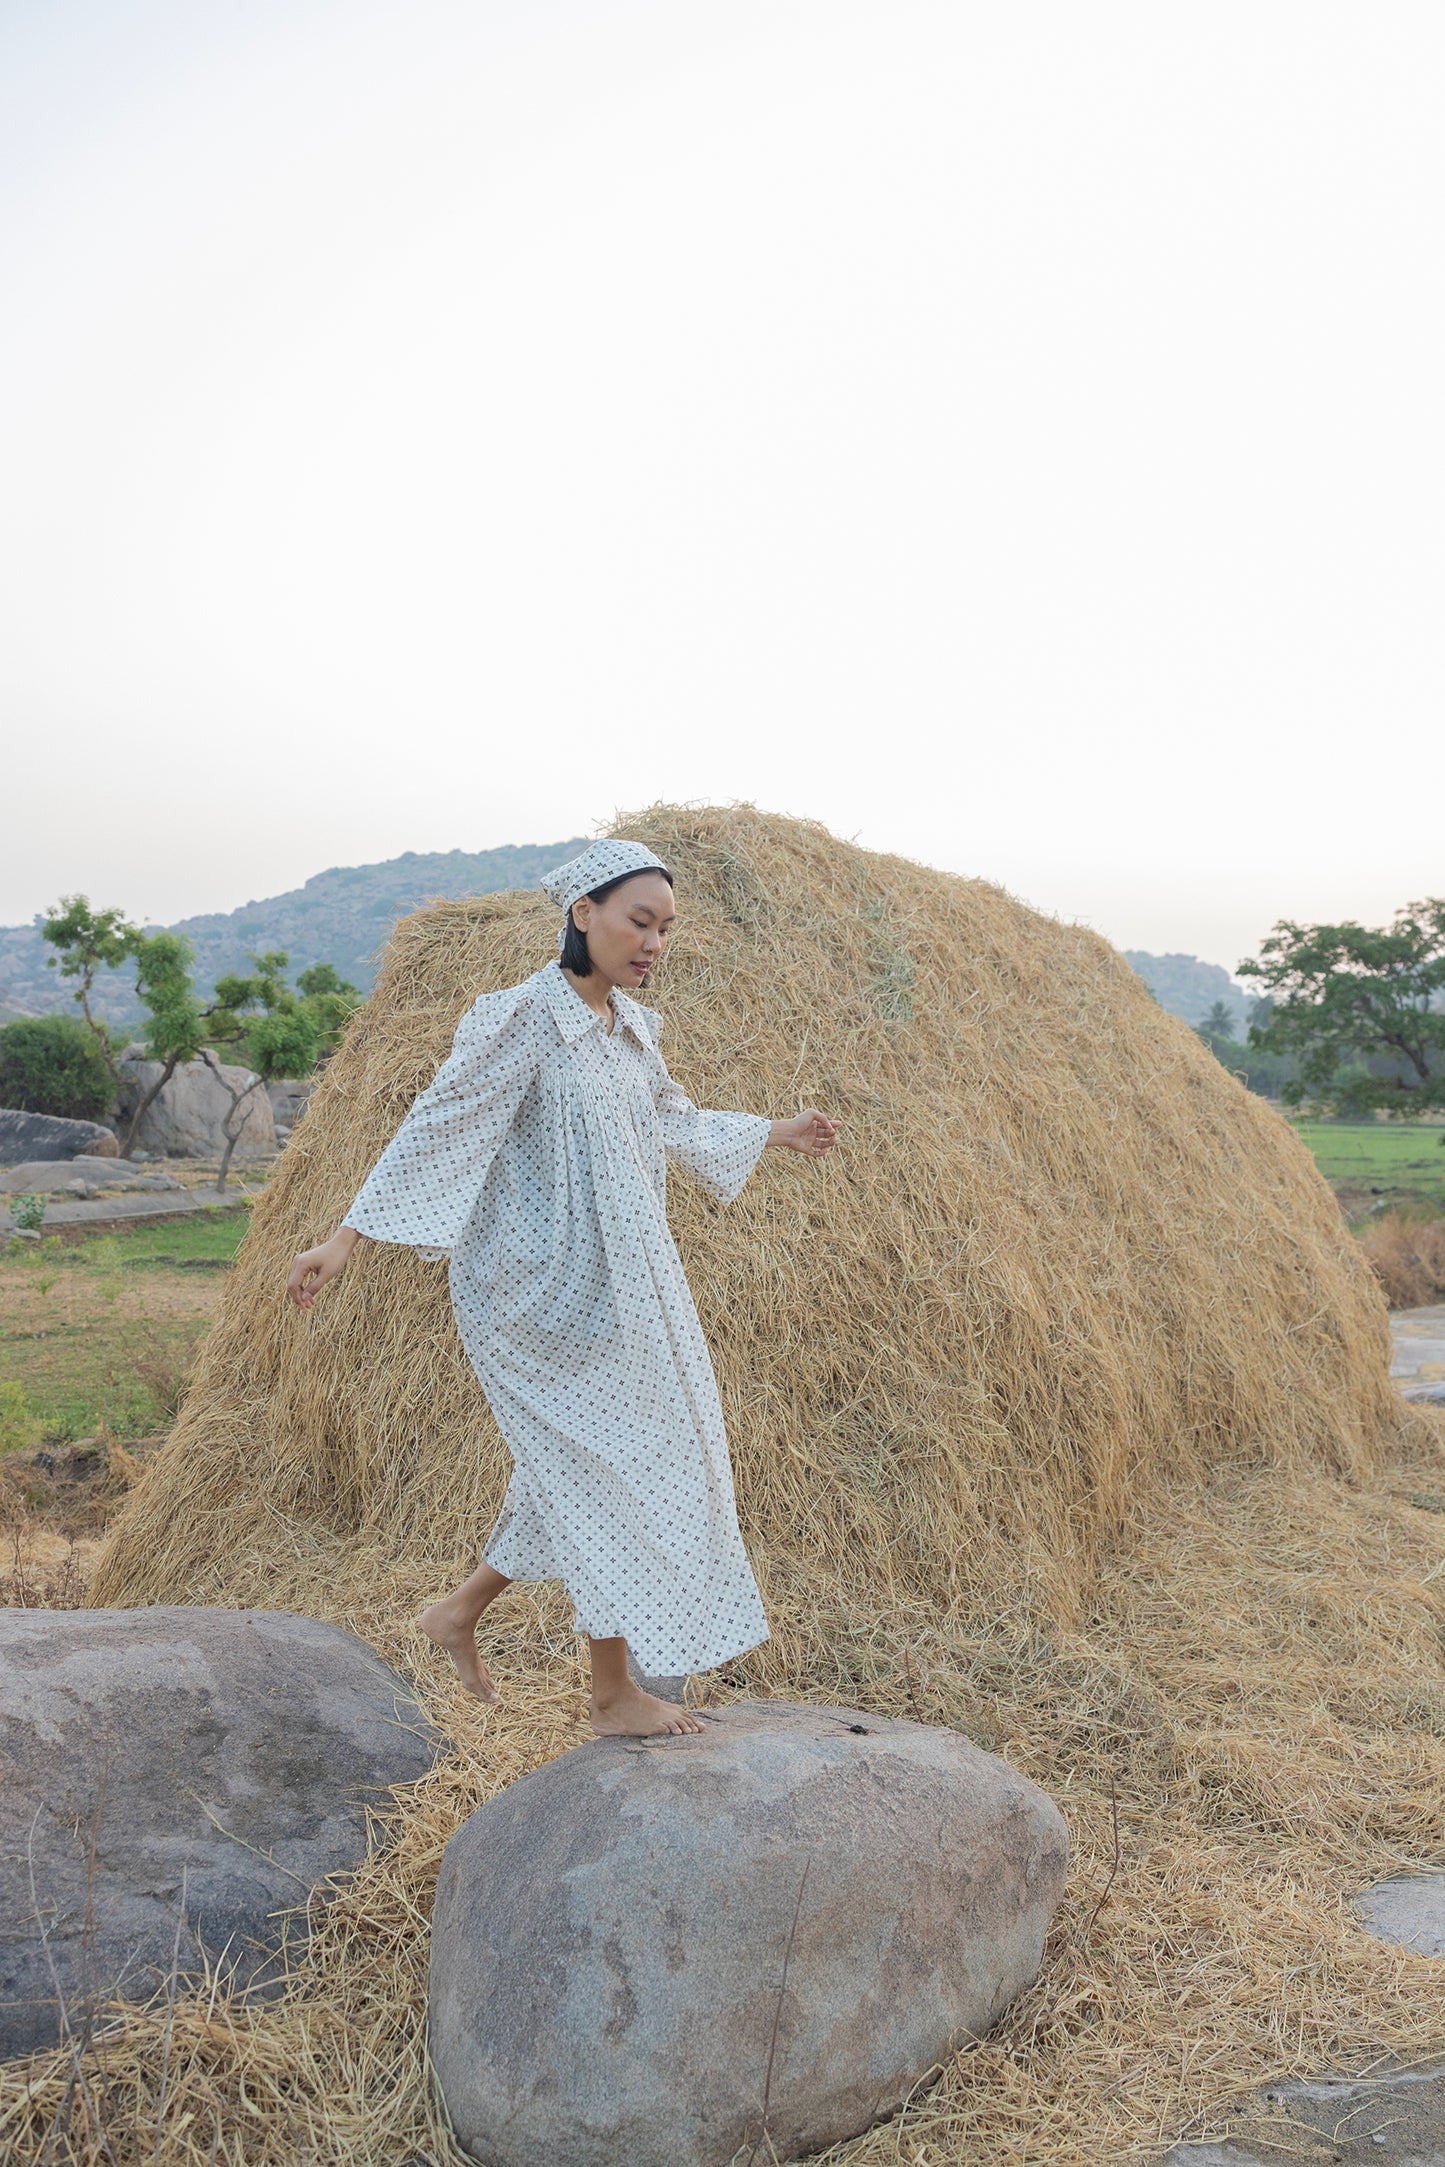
x,y
171,1780
664,1951
45,1136
185,1121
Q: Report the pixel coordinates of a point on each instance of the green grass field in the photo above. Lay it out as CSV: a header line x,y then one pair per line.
x,y
1363,1161
210,1239
100,1332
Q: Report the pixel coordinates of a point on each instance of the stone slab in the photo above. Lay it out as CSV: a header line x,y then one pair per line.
x,y
1397,2119
106,1211
1418,1345
1408,1910
49,1177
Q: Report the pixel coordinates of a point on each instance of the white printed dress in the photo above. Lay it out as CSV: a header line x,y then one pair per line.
x,y
538,1160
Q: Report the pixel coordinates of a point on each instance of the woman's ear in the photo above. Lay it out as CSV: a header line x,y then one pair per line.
x,y
582,912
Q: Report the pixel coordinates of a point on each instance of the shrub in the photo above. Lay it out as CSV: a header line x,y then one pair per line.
x,y
53,1065
20,1426
1407,1256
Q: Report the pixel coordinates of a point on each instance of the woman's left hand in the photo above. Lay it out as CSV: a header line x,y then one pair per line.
x,y
811,1133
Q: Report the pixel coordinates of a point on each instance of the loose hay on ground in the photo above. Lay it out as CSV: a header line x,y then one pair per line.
x,y
1059,1407
1259,1683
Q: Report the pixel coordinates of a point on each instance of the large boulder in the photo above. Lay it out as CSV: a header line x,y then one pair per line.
x,y
46,1136
170,1781
666,1951
186,1120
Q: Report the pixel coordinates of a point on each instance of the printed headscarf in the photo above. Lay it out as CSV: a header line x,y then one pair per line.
x,y
599,862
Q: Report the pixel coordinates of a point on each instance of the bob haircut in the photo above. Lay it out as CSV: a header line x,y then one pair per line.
x,y
574,956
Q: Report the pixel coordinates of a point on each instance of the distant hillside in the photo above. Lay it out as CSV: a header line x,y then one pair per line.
x,y
342,916
1188,988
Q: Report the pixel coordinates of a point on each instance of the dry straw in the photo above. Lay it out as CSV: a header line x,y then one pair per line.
x,y
1059,1406
1407,1255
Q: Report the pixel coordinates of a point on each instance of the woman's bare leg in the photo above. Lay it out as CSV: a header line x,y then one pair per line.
x,y
452,1624
620,1708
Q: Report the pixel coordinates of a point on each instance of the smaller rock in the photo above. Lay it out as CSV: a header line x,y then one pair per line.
x,y
79,1188
668,1689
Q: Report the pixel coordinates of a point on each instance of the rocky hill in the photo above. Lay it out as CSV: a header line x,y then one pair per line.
x,y
344,915
341,916
1188,988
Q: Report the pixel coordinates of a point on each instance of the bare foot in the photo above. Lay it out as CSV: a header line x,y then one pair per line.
x,y
631,1713
460,1641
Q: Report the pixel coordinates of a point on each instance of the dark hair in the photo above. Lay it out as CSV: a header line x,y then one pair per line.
x,y
574,956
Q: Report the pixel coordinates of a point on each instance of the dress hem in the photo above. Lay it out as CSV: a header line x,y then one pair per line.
x,y
654,1666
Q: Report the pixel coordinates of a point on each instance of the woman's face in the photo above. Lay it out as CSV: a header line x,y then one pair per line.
x,y
627,931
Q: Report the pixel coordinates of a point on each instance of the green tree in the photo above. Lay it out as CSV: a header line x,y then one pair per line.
x,y
176,1029
278,1030
54,1065
331,1002
1359,1008
89,941
282,1031
284,1043
1218,1025
261,1018
322,978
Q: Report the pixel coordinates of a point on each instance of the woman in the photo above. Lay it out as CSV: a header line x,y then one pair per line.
x,y
537,1161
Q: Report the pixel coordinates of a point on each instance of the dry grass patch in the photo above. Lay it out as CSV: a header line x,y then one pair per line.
x,y
1406,1252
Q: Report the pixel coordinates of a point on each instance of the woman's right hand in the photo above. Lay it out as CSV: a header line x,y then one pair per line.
x,y
314,1268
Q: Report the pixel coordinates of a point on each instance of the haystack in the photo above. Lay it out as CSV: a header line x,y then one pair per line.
x,y
1059,1408
1061,1255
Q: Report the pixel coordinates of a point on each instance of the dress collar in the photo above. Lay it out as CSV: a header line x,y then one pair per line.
x,y
573,1017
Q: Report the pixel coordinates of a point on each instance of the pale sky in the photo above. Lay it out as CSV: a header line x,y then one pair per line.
x,y
1011,434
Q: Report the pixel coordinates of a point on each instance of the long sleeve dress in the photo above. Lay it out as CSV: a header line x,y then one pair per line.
x,y
537,1160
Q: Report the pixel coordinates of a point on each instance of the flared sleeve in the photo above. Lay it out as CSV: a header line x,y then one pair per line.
x,y
424,1186
719,1150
